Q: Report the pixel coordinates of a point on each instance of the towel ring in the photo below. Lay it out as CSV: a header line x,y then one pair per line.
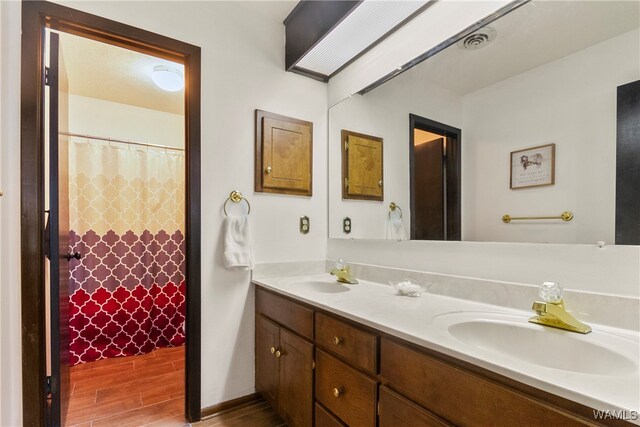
x,y
236,197
393,207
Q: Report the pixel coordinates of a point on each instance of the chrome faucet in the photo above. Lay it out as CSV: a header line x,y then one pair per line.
x,y
551,311
342,271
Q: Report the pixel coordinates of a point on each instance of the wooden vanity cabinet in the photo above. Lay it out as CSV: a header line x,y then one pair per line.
x,y
396,411
358,347
324,418
366,378
267,365
346,392
284,361
461,397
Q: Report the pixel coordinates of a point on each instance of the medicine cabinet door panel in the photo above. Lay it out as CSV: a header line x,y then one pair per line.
x,y
287,159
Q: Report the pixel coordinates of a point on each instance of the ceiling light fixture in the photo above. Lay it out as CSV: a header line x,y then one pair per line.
x,y
168,78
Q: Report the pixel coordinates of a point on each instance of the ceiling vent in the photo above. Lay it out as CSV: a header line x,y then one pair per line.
x,y
478,40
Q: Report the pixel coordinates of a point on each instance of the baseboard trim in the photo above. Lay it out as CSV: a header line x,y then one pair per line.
x,y
236,403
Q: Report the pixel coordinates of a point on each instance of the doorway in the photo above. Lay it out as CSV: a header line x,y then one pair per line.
x,y
434,179
121,208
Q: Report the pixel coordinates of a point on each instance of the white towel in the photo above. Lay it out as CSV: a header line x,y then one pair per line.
x,y
395,228
237,243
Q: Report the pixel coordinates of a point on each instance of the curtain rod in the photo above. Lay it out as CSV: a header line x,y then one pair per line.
x,y
143,144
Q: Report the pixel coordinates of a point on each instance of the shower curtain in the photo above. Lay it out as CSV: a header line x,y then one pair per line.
x,y
127,292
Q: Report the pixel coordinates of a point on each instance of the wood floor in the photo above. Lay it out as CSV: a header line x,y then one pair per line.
x,y
129,391
147,390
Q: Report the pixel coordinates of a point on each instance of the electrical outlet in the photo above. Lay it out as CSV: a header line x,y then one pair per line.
x,y
304,224
346,225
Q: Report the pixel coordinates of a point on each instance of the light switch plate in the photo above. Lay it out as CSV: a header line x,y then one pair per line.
x,y
304,224
346,225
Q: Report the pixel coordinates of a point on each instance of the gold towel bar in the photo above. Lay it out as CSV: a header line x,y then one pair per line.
x,y
393,207
565,216
236,197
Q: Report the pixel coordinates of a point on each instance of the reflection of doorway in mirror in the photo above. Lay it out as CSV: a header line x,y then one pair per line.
x,y
435,180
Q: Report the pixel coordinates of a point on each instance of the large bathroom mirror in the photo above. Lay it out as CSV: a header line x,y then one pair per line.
x,y
508,135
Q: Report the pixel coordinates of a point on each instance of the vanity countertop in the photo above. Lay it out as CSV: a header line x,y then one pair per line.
x,y
420,321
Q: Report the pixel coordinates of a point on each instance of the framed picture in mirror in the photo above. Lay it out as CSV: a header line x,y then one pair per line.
x,y
361,166
533,167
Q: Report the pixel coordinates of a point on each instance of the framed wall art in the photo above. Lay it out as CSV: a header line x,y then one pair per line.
x,y
533,167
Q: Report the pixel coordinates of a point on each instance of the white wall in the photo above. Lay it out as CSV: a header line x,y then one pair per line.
x,y
98,117
570,102
384,113
242,69
10,338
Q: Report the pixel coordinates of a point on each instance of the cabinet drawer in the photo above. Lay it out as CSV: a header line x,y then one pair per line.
x,y
358,347
325,418
396,411
461,397
346,392
294,316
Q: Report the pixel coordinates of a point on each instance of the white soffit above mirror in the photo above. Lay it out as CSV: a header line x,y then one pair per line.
x,y
370,21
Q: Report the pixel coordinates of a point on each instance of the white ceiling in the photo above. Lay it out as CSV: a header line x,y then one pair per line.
x,y
534,34
111,73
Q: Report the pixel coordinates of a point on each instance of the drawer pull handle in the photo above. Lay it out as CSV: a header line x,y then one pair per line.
x,y
279,353
337,392
337,340
273,350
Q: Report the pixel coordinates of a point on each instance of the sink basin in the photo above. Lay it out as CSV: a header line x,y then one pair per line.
x,y
322,287
597,353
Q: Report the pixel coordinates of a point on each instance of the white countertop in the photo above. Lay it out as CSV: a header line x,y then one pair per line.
x,y
418,320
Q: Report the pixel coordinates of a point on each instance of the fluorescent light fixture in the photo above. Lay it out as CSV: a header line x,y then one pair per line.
x,y
167,78
364,26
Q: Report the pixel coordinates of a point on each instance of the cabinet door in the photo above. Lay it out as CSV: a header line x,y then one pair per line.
x,y
396,411
362,166
286,155
296,380
267,374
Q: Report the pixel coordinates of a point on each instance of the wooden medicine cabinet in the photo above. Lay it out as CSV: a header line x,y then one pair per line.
x,y
361,166
284,154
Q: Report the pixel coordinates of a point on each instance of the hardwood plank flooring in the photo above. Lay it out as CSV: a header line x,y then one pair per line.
x,y
147,390
129,391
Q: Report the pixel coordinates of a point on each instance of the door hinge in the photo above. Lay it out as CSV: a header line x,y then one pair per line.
x,y
346,183
47,80
313,365
48,387
378,408
346,145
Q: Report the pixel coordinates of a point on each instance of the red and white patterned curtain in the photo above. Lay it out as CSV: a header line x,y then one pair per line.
x,y
127,292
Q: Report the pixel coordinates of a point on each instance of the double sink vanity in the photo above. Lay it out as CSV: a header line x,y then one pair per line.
x,y
333,354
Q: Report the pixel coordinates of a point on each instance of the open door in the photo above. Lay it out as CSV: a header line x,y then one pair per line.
x,y
429,213
59,256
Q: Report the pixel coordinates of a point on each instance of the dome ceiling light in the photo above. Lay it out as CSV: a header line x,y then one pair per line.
x,y
168,78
